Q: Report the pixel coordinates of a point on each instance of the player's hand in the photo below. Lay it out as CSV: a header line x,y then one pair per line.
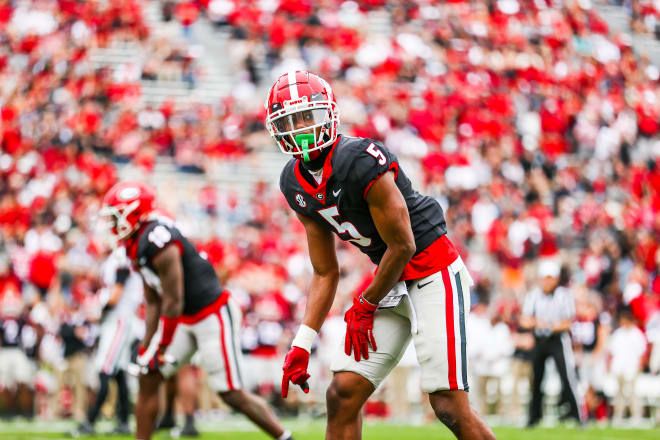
x,y
360,328
295,370
150,362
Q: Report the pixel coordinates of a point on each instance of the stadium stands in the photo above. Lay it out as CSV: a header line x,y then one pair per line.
x,y
528,120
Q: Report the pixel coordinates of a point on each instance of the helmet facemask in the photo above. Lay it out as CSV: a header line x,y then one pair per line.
x,y
316,119
116,219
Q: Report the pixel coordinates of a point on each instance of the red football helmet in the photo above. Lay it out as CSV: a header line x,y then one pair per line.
x,y
301,103
126,205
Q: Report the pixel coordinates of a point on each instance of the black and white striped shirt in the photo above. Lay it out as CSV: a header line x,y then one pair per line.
x,y
549,310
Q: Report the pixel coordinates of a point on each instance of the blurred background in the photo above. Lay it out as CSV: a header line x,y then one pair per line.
x,y
534,123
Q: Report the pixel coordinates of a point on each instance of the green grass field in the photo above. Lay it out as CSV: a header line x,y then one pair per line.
x,y
314,430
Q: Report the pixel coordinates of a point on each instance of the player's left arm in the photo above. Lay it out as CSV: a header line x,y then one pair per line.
x,y
390,216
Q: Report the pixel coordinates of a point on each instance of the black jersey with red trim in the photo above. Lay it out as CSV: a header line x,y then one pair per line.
x,y
339,204
20,333
201,285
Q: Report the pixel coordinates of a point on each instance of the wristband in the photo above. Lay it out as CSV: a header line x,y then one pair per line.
x,y
304,338
366,302
168,325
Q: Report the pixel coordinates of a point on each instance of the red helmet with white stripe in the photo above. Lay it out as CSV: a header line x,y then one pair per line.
x,y
126,206
302,114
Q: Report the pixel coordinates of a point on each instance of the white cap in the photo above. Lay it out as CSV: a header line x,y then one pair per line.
x,y
548,268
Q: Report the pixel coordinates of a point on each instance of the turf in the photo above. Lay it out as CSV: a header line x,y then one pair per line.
x,y
372,431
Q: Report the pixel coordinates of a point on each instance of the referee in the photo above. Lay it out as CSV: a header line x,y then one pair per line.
x,y
548,310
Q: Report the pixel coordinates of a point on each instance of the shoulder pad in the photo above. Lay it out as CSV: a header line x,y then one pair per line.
x,y
347,151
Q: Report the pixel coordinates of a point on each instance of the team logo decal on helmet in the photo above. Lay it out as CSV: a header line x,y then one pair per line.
x,y
128,193
302,114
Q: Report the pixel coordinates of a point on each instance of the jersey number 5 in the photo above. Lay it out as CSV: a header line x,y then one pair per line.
x,y
330,213
375,152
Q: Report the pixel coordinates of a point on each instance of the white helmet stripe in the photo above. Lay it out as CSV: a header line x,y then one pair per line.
x,y
293,88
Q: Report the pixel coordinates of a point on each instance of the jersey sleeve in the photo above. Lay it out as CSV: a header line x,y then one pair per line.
x,y
122,275
371,161
154,240
295,200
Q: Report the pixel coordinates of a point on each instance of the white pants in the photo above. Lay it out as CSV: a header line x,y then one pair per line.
x,y
114,345
216,338
15,368
439,306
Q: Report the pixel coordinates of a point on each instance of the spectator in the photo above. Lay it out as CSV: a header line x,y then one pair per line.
x,y
20,341
627,348
78,336
521,368
590,331
490,350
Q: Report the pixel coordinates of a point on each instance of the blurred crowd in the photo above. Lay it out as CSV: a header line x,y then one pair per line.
x,y
643,15
536,129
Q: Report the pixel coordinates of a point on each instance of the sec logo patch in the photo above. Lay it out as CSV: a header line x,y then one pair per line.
x,y
301,200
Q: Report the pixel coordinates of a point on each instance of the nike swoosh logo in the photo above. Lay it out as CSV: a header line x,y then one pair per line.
x,y
420,285
336,193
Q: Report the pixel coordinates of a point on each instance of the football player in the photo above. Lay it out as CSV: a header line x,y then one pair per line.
x,y
19,346
355,189
120,297
186,310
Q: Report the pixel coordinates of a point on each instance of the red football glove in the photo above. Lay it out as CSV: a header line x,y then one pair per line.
x,y
360,328
295,370
150,363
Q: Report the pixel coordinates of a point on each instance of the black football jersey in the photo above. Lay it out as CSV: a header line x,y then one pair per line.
x,y
19,333
10,332
200,283
339,201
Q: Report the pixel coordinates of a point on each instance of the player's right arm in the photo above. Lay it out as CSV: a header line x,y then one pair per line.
x,y
323,257
151,314
149,354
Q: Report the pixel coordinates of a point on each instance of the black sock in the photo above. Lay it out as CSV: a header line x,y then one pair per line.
x,y
190,419
100,398
123,402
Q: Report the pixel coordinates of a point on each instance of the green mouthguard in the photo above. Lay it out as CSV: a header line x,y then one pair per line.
x,y
303,141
